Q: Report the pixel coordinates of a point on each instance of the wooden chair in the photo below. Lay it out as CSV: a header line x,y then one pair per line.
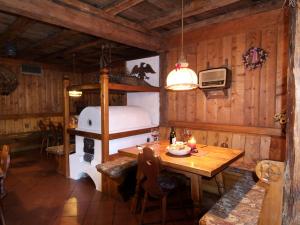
x,y
53,139
45,135
155,183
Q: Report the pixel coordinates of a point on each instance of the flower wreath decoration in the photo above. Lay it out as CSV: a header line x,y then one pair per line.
x,y
254,58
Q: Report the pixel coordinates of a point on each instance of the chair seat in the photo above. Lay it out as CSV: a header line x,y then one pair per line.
x,y
169,180
59,149
118,167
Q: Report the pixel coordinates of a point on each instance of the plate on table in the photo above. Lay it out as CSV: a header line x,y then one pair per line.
x,y
176,151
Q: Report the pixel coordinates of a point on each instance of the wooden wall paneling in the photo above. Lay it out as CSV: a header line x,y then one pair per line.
x,y
281,69
238,142
252,82
200,96
172,59
252,149
200,136
268,78
212,138
164,133
265,144
225,139
224,104
2,127
277,149
213,48
238,80
191,95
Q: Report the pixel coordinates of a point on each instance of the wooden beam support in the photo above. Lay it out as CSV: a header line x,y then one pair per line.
x,y
121,6
84,7
53,13
69,51
16,28
291,200
48,42
66,84
104,82
252,10
195,8
226,128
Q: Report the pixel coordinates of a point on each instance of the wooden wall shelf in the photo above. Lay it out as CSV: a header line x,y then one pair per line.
x,y
227,128
72,131
115,87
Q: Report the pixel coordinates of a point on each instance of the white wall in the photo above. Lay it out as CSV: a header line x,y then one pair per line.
x,y
147,100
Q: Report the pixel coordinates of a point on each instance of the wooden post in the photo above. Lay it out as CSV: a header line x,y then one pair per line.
x,y
104,90
291,196
66,84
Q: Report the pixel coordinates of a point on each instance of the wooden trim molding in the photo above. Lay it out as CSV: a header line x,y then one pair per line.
x,y
96,136
30,115
114,87
226,128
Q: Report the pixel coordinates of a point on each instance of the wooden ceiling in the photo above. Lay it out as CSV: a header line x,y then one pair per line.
x,y
60,31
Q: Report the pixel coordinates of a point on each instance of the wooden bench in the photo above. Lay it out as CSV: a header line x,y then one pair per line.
x,y
250,202
116,170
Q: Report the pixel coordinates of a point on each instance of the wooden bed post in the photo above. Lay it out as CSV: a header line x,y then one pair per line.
x,y
66,84
104,90
291,196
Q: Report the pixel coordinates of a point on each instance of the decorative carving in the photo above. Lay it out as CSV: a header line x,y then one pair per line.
x,y
8,81
141,70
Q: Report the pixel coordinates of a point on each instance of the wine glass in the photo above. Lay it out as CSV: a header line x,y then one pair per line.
x,y
186,134
155,134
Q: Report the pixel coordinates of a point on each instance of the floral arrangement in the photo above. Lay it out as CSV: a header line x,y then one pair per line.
x,y
254,57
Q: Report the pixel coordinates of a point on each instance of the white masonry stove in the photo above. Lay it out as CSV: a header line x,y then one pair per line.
x,y
88,151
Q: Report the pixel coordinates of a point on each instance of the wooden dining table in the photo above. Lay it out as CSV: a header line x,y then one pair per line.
x,y
208,161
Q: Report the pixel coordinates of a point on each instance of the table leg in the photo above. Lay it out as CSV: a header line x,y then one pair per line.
x,y
220,183
196,192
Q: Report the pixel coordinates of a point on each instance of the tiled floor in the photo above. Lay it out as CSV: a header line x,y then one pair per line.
x,y
37,195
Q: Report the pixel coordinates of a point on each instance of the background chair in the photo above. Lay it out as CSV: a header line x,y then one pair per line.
x,y
156,183
45,135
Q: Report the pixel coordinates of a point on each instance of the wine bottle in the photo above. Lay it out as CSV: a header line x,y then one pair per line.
x,y
172,136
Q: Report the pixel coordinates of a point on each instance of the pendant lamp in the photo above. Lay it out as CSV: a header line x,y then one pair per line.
x,y
74,93
182,78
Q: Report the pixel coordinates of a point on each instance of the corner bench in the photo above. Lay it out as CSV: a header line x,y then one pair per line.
x,y
241,205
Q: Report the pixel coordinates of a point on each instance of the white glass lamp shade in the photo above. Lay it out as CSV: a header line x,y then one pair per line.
x,y
75,93
182,78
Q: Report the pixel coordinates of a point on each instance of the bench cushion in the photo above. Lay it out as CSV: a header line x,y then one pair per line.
x,y
118,167
59,149
241,205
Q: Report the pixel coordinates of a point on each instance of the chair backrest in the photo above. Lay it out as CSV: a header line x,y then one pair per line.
x,y
5,159
53,132
150,166
42,126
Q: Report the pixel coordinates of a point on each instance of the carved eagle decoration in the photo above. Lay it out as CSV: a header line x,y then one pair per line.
x,y
141,71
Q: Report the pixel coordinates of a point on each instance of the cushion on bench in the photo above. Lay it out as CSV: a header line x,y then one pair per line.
x,y
59,149
241,205
118,167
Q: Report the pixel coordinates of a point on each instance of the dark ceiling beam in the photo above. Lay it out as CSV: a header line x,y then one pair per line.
x,y
53,13
194,8
121,6
48,41
255,9
15,29
87,8
77,48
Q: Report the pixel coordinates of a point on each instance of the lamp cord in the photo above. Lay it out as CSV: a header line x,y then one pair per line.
x,y
181,56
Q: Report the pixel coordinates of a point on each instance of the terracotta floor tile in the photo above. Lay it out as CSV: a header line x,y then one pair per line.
x,y
37,195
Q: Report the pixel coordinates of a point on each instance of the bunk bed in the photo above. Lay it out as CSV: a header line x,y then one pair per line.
x,y
104,86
